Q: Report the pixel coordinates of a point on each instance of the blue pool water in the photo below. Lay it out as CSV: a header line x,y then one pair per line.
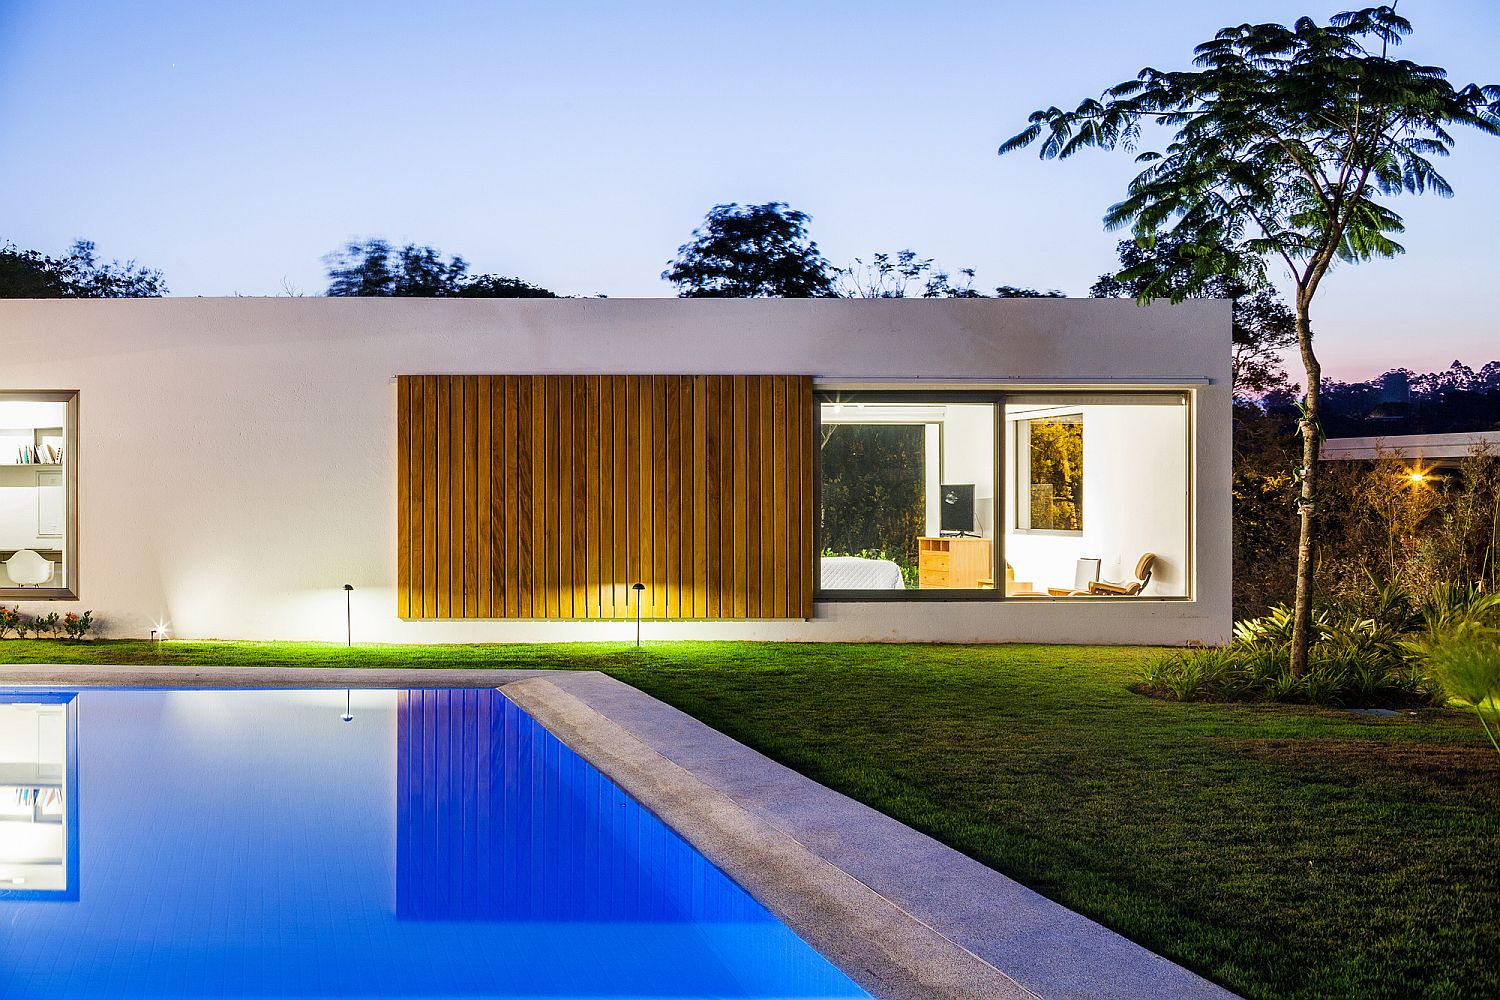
x,y
442,844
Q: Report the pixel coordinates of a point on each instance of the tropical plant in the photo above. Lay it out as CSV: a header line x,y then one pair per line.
x,y
1466,662
1287,140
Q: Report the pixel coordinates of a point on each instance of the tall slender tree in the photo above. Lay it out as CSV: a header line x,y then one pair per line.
x,y
1287,143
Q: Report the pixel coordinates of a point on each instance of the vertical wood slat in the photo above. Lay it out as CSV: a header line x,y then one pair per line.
x,y
404,485
548,496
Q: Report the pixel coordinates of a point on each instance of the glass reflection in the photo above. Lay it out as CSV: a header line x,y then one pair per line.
x,y
38,800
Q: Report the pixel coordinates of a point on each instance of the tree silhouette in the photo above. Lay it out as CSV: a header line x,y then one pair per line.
x,y
1287,142
751,251
375,268
29,274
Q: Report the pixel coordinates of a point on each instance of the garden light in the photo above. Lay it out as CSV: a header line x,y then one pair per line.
x,y
638,588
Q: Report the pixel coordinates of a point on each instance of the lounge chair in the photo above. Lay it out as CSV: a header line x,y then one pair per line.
x,y
1133,588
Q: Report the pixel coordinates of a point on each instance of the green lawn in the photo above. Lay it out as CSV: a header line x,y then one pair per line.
x,y
1282,851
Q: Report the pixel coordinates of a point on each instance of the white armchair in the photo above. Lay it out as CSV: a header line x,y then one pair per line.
x,y
28,569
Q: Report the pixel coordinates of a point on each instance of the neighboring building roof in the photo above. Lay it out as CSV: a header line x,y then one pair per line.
x,y
1429,447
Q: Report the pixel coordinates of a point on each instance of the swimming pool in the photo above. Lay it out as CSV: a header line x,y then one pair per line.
x,y
176,843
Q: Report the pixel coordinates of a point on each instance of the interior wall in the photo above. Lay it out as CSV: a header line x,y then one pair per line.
x,y
1135,493
237,464
969,457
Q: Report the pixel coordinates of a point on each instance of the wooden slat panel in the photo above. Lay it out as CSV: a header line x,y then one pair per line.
x,y
471,498
445,493
726,497
429,497
551,557
713,488
660,544
673,541
455,497
604,497
779,478
403,497
548,496
592,580
539,471
739,420
624,439
644,428
751,489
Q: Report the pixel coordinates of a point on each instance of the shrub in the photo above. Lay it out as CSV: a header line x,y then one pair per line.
x,y
10,621
1374,652
76,626
1466,662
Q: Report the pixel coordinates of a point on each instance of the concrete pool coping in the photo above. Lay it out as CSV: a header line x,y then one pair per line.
x,y
904,916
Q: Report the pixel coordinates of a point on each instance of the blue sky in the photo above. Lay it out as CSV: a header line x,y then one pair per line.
x,y
577,144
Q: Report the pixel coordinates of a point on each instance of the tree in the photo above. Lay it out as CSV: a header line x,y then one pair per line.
x,y
1263,325
751,251
905,275
1017,292
29,274
374,268
1287,143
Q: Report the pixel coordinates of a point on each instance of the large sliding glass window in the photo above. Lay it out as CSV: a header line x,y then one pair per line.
x,y
1056,494
38,490
908,493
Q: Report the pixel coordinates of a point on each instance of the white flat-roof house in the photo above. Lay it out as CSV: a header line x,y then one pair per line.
x,y
511,470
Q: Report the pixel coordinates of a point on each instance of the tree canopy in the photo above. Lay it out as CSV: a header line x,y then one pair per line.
x,y
30,274
751,251
375,268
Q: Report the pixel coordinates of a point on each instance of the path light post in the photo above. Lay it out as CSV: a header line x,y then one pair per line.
x,y
638,588
349,614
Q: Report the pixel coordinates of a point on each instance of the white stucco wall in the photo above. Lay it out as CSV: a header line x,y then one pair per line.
x,y
237,460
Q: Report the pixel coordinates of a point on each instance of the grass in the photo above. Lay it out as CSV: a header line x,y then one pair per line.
x,y
1283,851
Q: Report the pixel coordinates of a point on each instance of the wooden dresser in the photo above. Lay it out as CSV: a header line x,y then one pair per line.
x,y
954,563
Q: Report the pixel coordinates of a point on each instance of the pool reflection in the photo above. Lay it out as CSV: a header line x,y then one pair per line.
x,y
250,843
497,819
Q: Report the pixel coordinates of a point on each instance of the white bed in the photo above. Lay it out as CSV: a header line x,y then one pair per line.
x,y
855,573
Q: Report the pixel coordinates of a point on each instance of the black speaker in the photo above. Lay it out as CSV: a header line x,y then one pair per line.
x,y
958,508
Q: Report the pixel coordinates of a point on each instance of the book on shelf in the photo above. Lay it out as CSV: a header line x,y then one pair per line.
x,y
33,455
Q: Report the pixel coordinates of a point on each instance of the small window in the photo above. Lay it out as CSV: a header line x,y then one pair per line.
x,y
1050,453
38,495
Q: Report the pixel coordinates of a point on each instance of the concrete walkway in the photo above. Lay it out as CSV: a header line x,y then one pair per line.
x,y
904,916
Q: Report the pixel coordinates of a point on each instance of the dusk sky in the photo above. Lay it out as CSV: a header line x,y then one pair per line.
x,y
577,145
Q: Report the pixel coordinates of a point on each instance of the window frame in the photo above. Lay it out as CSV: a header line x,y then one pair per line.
x,y
1022,498
918,396
69,591
849,390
